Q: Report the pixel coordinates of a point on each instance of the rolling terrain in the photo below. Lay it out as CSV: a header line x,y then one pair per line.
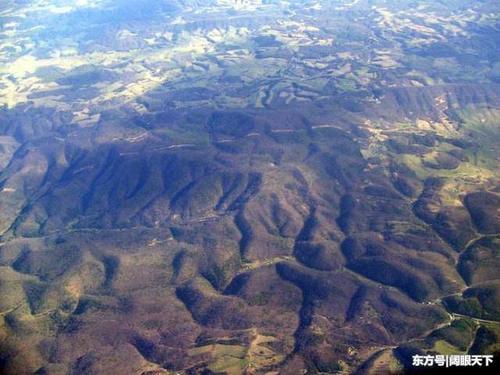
x,y
259,187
